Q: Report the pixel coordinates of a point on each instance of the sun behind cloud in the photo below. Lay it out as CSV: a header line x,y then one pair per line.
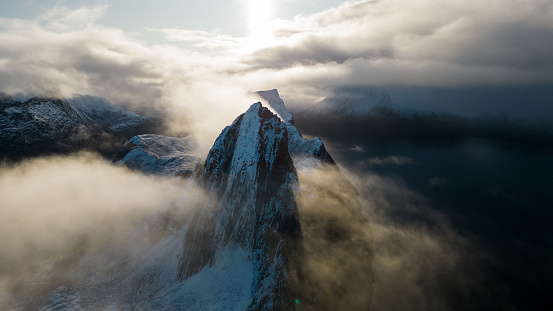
x,y
259,14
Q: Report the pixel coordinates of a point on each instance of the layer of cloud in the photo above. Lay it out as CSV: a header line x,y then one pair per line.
x,y
52,204
63,215
83,57
79,207
420,42
62,18
419,260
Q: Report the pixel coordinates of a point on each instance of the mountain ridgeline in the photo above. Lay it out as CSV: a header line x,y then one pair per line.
x,y
46,125
271,225
373,113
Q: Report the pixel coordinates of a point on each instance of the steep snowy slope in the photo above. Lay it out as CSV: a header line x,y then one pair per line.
x,y
303,151
108,117
160,155
251,209
39,124
43,125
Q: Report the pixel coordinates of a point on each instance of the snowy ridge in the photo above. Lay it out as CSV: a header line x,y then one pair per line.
x,y
45,124
274,101
160,155
351,102
304,151
100,112
39,123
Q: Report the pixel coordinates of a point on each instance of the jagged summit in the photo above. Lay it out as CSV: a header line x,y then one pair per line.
x,y
304,151
251,208
273,99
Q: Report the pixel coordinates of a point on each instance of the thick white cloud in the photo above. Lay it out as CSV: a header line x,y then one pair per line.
x,y
421,42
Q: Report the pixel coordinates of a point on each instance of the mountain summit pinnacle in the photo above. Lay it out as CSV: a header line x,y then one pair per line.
x,y
251,208
273,99
304,151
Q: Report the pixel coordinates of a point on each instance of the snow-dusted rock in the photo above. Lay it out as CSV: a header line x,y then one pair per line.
x,y
277,104
45,124
301,149
108,117
250,209
38,124
160,155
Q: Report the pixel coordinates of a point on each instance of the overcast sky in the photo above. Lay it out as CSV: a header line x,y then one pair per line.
x,y
198,53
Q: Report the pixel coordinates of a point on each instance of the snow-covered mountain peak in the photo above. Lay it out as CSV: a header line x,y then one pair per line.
x,y
251,210
277,104
50,124
246,141
304,151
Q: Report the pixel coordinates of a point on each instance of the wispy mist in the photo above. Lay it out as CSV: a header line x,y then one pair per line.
x,y
421,262
332,268
60,207
383,245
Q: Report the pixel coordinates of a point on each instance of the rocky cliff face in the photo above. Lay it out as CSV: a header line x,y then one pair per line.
x,y
249,176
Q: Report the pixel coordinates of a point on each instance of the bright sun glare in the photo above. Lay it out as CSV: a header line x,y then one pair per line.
x,y
259,13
